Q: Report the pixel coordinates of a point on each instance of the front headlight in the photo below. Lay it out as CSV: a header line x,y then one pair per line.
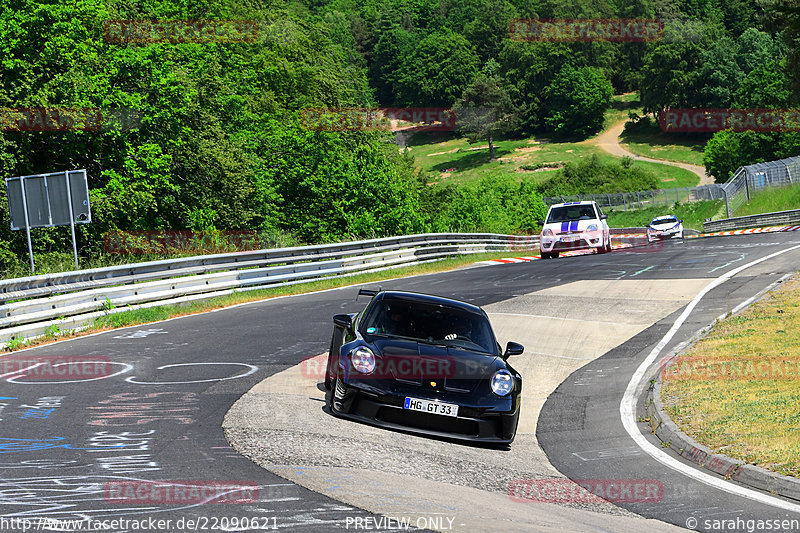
x,y
502,383
547,232
592,227
363,360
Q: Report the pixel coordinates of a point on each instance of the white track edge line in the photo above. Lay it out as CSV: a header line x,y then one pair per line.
x,y
628,405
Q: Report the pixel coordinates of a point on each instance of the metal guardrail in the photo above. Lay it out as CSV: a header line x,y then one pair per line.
x,y
753,221
72,299
48,284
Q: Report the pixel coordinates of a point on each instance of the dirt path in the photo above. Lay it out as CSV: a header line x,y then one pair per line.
x,y
609,141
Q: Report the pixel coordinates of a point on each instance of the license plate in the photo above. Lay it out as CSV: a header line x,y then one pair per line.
x,y
571,238
426,406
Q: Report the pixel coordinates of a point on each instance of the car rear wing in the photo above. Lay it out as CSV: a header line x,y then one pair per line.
x,y
368,292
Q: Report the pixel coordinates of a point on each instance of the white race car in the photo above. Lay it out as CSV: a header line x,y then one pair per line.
x,y
574,226
666,227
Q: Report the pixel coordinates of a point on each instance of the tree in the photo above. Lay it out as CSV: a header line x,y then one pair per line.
x,y
728,150
721,155
485,109
485,23
784,16
576,100
727,62
394,47
667,76
437,71
766,86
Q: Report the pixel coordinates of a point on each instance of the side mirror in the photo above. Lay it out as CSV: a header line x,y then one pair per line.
x,y
345,321
540,222
513,348
603,217
681,221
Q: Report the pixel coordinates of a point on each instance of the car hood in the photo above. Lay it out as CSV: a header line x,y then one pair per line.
x,y
416,362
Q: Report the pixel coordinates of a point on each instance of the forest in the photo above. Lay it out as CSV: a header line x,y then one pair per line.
x,y
209,133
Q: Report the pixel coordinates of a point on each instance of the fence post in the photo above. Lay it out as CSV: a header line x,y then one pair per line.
x,y
727,204
747,186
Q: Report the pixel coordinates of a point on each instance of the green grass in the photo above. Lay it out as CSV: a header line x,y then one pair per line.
x,y
436,153
650,141
621,105
749,413
771,200
693,214
671,177
154,314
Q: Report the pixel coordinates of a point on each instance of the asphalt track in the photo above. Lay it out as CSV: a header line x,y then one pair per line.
x,y
67,444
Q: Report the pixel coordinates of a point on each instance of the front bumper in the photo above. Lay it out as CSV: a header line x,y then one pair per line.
x,y
576,241
653,235
481,422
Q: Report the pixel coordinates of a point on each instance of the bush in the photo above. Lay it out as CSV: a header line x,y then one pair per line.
x,y
9,262
495,204
592,176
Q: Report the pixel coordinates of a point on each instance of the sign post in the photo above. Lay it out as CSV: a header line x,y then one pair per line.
x,y
27,224
47,200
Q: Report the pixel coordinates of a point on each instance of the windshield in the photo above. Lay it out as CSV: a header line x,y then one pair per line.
x,y
433,324
568,213
664,220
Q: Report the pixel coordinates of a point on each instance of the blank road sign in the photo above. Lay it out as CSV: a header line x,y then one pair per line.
x,y
48,198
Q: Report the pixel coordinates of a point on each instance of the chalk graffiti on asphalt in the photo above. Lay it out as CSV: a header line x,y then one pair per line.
x,y
11,445
132,409
42,409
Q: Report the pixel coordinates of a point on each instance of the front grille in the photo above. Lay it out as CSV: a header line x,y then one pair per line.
x,y
415,419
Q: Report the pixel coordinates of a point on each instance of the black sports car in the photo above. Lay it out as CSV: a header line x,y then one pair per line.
x,y
424,364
